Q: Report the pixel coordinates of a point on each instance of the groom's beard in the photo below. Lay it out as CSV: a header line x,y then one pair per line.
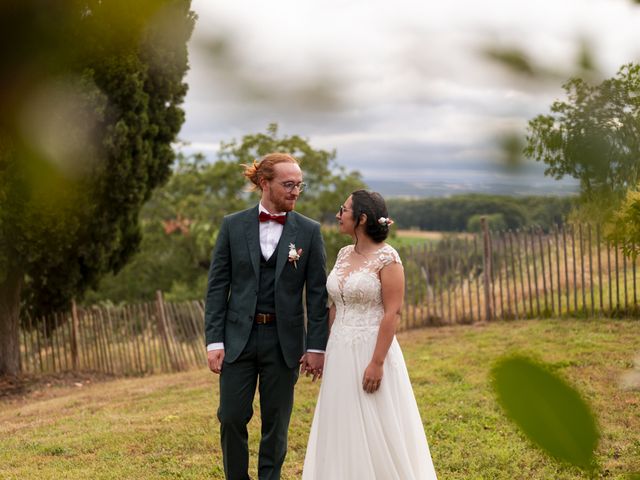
x,y
285,204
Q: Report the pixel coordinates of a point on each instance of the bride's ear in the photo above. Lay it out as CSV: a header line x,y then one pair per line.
x,y
363,219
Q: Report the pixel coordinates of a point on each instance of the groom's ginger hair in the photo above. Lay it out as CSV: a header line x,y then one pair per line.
x,y
264,168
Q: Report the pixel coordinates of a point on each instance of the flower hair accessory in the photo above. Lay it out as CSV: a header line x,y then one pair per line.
x,y
385,221
294,254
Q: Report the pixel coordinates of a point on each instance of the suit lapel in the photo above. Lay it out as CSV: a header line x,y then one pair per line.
x,y
252,226
288,236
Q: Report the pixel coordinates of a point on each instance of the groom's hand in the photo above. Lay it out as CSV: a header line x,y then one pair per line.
x,y
215,359
312,363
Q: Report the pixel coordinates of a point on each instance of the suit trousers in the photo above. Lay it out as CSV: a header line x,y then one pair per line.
x,y
261,365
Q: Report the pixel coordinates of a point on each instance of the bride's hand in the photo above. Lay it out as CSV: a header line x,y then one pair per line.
x,y
372,377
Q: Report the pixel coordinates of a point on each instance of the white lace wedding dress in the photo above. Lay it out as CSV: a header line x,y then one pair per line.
x,y
356,435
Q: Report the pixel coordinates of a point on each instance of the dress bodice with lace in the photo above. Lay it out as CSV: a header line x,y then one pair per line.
x,y
354,287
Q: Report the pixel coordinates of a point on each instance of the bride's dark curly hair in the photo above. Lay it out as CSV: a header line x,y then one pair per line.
x,y
373,206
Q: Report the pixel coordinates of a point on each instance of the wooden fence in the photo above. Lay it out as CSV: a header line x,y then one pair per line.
x,y
569,271
133,339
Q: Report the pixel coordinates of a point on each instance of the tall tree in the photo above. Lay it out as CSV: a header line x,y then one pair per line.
x,y
180,221
593,136
179,225
90,96
328,182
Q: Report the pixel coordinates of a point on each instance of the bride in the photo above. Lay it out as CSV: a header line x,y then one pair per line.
x,y
366,423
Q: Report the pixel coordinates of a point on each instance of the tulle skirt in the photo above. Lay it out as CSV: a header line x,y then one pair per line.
x,y
356,435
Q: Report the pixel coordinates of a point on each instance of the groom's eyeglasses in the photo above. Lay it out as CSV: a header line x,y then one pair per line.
x,y
343,209
289,186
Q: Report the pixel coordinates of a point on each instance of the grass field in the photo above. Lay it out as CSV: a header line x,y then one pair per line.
x,y
164,426
410,238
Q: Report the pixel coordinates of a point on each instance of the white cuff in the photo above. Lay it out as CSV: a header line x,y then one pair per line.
x,y
215,346
315,351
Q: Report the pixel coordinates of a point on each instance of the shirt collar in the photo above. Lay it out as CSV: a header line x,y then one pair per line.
x,y
262,209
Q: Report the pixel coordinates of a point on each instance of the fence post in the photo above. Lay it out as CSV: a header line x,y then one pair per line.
x,y
486,271
162,326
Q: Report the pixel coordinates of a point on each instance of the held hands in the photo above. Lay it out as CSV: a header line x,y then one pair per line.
x,y
311,363
215,359
372,377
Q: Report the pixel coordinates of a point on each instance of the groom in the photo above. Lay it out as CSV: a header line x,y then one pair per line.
x,y
264,259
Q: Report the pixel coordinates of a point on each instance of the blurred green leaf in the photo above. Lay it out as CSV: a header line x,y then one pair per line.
x,y
512,58
549,411
586,60
511,145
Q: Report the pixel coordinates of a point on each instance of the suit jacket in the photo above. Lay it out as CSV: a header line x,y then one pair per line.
x,y
232,289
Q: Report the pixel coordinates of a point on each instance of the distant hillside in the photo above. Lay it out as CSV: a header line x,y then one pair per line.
x,y
462,212
515,186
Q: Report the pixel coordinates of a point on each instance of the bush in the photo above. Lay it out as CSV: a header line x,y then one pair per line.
x,y
495,222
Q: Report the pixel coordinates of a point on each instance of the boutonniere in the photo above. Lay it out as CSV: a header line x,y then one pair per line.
x,y
294,254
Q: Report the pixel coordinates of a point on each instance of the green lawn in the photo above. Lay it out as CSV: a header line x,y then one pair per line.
x,y
164,426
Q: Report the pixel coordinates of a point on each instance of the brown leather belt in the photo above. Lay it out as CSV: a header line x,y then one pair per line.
x,y
264,318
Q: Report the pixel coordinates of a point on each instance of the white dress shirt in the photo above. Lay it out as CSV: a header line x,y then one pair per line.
x,y
270,233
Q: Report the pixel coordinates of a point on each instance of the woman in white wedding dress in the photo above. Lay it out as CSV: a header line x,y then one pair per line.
x,y
366,424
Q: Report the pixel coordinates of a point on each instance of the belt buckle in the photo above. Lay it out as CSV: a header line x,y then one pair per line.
x,y
261,319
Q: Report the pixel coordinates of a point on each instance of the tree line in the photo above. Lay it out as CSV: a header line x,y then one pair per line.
x,y
462,212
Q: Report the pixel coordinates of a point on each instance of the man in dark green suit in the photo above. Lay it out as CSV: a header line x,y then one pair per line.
x,y
265,258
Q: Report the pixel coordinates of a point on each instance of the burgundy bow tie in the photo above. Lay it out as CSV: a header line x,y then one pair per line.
x,y
265,217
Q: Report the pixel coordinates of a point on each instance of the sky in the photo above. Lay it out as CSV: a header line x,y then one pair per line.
x,y
401,90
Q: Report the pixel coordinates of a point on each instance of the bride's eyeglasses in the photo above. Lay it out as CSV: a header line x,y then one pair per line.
x,y
343,209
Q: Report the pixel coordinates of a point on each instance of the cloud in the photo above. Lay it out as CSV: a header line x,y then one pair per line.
x,y
399,89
